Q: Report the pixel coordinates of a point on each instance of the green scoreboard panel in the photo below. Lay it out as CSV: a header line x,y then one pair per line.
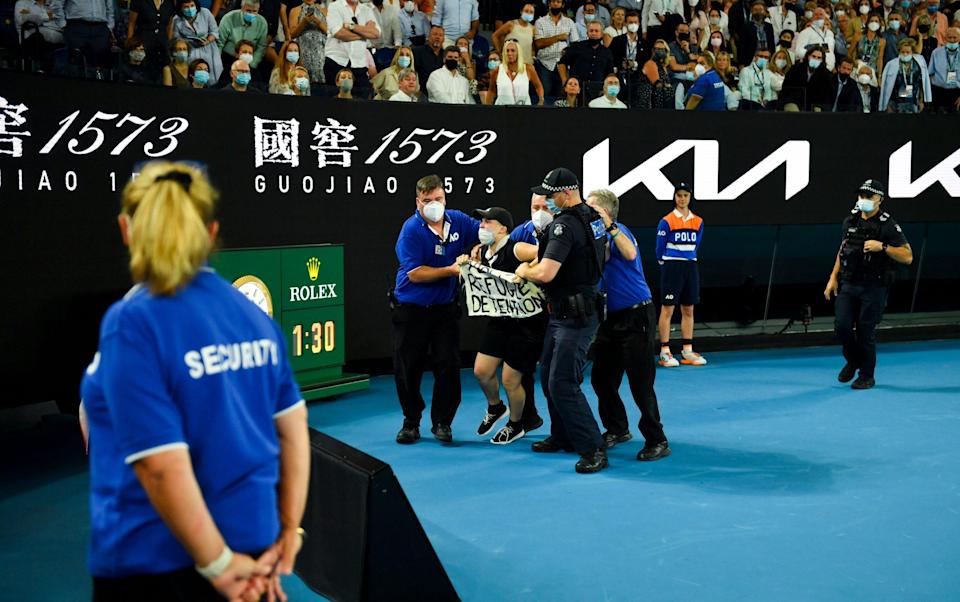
x,y
302,289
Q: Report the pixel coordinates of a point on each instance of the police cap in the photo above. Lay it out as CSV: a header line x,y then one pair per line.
x,y
872,187
557,180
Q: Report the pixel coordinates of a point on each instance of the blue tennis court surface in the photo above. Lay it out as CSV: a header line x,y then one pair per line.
x,y
783,485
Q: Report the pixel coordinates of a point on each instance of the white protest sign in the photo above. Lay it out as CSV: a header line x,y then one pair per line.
x,y
495,294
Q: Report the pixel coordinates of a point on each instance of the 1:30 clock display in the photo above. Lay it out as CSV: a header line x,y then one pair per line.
x,y
319,337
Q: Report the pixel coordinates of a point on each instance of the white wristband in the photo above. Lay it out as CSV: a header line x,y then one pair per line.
x,y
218,566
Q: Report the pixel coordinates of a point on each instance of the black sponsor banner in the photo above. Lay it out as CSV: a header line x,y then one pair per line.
x,y
303,171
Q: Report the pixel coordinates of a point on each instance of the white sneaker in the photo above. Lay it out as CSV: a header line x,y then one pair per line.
x,y
692,358
667,360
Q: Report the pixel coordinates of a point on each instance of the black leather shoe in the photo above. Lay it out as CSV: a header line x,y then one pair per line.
x,y
846,375
863,382
592,462
532,424
650,453
408,434
549,446
611,439
442,432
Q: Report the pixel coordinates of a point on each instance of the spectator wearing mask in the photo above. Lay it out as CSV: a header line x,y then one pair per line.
x,y
88,29
282,77
521,30
387,82
350,26
308,26
816,35
589,61
133,67
846,34
586,15
483,80
778,66
177,73
890,7
197,26
936,20
152,22
199,73
553,34
925,42
845,97
414,25
609,100
905,85
757,33
344,81
723,65
429,58
682,57
408,87
571,95
602,15
867,87
240,78
628,53
871,46
466,66
458,18
707,92
510,81
786,44
242,24
532,229
756,84
301,81
782,17
618,25
892,36
857,16
47,15
661,17
807,85
696,17
945,69
656,91
715,43
447,85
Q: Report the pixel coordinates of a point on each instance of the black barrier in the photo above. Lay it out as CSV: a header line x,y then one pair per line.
x,y
300,171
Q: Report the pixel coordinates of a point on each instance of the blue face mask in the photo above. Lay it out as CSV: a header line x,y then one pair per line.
x,y
552,206
493,64
293,56
404,62
762,63
190,12
951,46
201,77
932,9
613,90
243,79
249,17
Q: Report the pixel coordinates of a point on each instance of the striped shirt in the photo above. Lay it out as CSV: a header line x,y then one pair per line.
x,y
679,237
546,28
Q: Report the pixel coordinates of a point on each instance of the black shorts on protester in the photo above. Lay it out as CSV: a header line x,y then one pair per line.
x,y
518,342
679,283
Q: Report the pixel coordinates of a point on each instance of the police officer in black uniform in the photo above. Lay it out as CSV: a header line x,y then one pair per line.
x,y
568,267
872,246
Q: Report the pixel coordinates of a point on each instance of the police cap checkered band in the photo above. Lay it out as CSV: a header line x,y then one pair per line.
x,y
872,187
558,179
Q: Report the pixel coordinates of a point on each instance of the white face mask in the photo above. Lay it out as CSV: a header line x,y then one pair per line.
x,y
246,56
541,219
716,42
693,2
780,63
864,79
633,27
699,69
818,23
486,236
865,205
888,3
409,6
433,211
874,26
808,14
864,10
841,12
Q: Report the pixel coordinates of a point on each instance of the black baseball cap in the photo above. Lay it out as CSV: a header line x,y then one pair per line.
x,y
498,213
872,187
556,180
683,186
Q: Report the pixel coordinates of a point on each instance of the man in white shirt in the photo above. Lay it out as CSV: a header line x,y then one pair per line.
x,y
391,37
756,84
782,17
816,34
407,81
609,100
552,34
446,85
349,25
655,17
47,15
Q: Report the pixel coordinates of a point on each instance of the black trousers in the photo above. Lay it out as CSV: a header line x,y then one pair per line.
x,y
92,39
561,373
945,99
421,334
361,79
627,341
185,585
859,309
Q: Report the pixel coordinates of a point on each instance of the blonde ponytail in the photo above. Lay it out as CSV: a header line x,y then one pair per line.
x,y
170,208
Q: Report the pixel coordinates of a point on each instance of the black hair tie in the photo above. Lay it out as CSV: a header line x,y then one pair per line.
x,y
181,177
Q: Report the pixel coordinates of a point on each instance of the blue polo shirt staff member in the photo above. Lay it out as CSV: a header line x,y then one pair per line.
x,y
532,229
626,339
199,451
426,311
707,92
569,269
873,244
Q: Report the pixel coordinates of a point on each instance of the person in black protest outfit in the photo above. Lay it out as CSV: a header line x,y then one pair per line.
x,y
426,310
514,341
568,267
626,339
864,268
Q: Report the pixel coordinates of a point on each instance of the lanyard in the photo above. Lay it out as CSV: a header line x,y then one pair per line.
x,y
952,62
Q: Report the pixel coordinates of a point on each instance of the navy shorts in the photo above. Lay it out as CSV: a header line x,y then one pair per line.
x,y
679,283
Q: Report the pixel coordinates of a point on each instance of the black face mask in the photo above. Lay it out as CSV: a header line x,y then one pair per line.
x,y
785,43
555,11
923,28
451,64
683,37
844,76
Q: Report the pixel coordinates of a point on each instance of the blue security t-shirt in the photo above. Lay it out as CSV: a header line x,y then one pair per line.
x,y
418,245
204,370
624,280
525,232
709,87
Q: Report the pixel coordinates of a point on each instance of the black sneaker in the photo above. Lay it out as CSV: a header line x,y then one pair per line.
x,y
408,434
592,462
533,424
494,415
442,432
846,374
863,382
508,434
649,453
611,439
550,446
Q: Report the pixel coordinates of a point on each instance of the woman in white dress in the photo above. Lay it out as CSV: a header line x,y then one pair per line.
x,y
510,82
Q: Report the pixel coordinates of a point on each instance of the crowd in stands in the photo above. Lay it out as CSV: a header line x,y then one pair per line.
x,y
823,55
